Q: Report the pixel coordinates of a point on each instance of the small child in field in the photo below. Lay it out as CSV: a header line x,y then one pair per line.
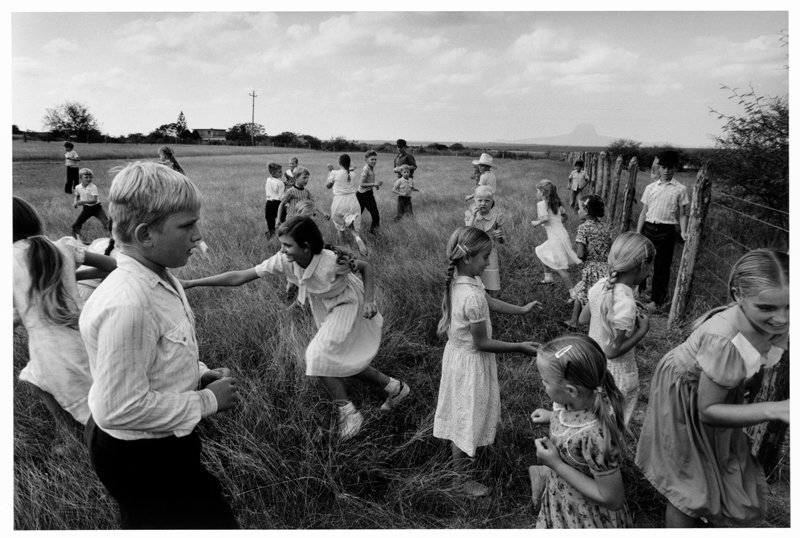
x,y
556,253
692,447
345,211
289,175
615,321
403,188
486,176
579,483
167,158
344,310
87,198
578,179
295,194
484,216
592,245
150,389
274,190
468,406
47,304
71,160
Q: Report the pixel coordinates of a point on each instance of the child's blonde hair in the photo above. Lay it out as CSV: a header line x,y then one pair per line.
x,y
579,360
550,195
756,271
300,171
45,264
147,193
629,251
484,190
465,241
403,167
83,171
304,207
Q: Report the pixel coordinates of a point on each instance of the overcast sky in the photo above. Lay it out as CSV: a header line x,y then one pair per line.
x,y
426,76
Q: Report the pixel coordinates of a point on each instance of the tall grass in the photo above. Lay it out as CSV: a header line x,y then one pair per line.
x,y
277,453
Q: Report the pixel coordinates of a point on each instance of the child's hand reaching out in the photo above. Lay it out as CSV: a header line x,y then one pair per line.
x,y
530,306
529,348
541,416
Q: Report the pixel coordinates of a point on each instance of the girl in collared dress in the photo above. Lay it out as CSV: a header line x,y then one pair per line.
x,y
692,447
484,216
468,406
343,306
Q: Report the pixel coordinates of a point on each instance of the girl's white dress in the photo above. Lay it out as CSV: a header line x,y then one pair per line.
x,y
346,342
622,318
57,362
556,252
345,210
490,222
86,287
468,407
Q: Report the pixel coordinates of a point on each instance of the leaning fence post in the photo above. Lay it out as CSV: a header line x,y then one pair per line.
x,y
629,195
602,175
701,199
613,190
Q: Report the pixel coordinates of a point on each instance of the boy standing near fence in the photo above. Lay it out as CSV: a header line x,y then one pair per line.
x,y
578,179
149,389
665,203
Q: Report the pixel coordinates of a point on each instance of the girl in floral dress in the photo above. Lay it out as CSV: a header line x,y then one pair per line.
x,y
579,484
592,244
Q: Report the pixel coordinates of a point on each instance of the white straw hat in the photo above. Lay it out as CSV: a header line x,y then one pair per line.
x,y
484,159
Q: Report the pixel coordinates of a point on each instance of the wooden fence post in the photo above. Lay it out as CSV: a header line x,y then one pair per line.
x,y
768,437
592,171
613,190
701,199
629,196
602,176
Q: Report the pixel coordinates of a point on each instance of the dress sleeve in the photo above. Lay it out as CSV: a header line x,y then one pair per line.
x,y
541,210
272,266
580,235
599,461
720,360
624,316
474,308
76,249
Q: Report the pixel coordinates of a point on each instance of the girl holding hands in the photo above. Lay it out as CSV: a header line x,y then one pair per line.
x,y
580,483
692,447
344,310
468,407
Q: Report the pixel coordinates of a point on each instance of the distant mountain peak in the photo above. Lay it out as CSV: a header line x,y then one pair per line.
x,y
583,134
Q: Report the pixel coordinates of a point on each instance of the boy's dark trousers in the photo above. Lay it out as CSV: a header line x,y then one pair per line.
x,y
367,201
72,179
404,207
159,483
663,237
88,212
271,213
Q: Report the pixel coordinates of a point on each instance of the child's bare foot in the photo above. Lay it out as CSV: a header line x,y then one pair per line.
x,y
362,248
538,474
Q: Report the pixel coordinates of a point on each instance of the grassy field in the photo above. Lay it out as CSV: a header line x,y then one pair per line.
x,y
277,453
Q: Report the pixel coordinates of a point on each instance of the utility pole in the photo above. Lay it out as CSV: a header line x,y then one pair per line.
x,y
253,117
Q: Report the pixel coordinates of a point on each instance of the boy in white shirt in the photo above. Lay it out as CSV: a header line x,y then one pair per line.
x,y
87,197
150,390
71,161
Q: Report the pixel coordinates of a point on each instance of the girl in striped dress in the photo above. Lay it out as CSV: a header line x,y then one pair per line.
x,y
343,306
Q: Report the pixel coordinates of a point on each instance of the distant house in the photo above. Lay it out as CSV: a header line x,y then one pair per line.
x,y
211,135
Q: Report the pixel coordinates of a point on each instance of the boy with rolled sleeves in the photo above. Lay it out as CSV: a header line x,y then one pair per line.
x,y
149,388
72,162
665,203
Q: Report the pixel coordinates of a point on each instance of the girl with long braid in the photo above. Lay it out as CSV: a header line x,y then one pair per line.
x,y
468,407
614,320
579,484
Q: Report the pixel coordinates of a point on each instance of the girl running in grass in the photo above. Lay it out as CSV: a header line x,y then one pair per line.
x,y
579,484
345,211
692,447
615,321
556,253
468,407
47,304
344,310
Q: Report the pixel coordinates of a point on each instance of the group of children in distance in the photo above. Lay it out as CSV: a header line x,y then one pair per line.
x,y
132,374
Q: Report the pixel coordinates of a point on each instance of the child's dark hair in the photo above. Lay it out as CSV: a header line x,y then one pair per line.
x,y
45,265
305,233
69,145
550,195
595,206
344,161
756,271
370,153
579,360
579,162
273,168
465,241
669,158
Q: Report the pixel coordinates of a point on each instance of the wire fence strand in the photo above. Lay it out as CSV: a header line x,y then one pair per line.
x,y
717,256
729,237
723,206
753,203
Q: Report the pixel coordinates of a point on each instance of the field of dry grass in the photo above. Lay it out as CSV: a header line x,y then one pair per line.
x,y
276,454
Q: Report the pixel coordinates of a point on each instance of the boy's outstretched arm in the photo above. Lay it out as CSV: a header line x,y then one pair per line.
x,y
231,278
